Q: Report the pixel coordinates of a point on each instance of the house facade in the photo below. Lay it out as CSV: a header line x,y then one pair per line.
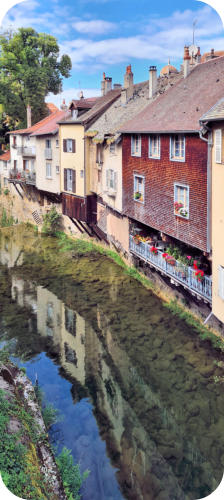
x,y
5,164
214,122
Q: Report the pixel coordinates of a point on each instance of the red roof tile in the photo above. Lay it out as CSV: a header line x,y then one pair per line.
x,y
52,108
180,107
5,156
83,103
49,123
51,126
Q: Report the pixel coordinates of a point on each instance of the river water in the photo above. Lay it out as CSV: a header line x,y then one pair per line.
x,y
133,382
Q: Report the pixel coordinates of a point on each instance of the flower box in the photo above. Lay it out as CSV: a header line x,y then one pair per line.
x,y
138,196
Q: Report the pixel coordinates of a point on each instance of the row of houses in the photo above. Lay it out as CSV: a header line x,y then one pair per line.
x,y
141,166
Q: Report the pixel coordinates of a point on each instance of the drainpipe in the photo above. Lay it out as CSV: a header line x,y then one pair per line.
x,y
209,179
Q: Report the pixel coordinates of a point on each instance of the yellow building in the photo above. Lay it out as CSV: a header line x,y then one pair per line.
x,y
214,121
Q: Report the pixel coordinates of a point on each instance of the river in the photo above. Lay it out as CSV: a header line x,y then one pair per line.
x,y
134,384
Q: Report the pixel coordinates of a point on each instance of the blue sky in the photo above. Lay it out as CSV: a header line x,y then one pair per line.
x,y
107,35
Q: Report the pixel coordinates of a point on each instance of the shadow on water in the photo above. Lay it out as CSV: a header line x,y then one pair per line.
x,y
134,383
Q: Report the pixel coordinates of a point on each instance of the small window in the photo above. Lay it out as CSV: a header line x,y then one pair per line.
x,y
69,145
57,143
181,201
177,148
70,321
81,174
221,282
48,171
112,148
5,165
139,188
111,179
136,145
218,146
154,146
74,113
70,180
57,169
48,143
14,141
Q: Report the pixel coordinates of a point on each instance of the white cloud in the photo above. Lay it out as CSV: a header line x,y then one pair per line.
x,y
72,93
97,27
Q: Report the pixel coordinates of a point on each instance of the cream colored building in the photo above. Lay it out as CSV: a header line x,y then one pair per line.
x,y
214,120
5,164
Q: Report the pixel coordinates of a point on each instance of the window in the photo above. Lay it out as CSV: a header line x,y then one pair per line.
x,y
112,148
177,148
136,145
48,171
154,146
69,145
70,180
81,174
5,165
111,179
74,113
139,188
99,155
218,146
57,169
48,143
181,201
26,165
70,321
57,143
221,282
14,141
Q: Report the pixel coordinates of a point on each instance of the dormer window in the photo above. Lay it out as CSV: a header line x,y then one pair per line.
x,y
177,148
136,145
74,114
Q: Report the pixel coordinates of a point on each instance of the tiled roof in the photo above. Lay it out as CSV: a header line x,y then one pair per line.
x,y
5,156
215,113
52,108
49,123
51,126
109,123
180,107
207,55
83,103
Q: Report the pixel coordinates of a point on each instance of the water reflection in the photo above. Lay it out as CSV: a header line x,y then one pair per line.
x,y
137,388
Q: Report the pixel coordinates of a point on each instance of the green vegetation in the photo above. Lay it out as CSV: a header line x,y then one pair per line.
x,y
6,191
30,68
70,473
6,221
52,222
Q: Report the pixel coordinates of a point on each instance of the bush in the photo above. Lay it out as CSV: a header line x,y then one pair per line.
x,y
70,473
52,222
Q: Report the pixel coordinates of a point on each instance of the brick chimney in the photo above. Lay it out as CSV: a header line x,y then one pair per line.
x,y
106,84
63,105
212,54
198,57
28,116
186,61
152,81
128,88
103,84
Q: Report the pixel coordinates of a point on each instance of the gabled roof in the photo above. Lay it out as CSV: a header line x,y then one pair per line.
x,y
46,126
215,113
83,103
99,107
180,107
52,108
5,156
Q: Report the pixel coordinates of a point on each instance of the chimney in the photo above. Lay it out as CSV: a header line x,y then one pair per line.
x,y
28,115
128,78
108,84
186,61
152,81
198,57
212,54
103,85
63,105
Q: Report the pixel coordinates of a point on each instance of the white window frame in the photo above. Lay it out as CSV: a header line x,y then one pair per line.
x,y
112,148
218,145
136,145
221,282
154,152
111,179
57,168
185,202
136,178
48,170
69,179
173,140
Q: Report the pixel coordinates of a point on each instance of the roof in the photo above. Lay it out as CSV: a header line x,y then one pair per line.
x,y
5,156
215,113
207,55
107,125
52,108
181,106
46,126
168,69
83,103
99,107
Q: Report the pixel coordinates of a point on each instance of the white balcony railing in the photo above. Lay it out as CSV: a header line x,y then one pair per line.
x,y
26,151
181,273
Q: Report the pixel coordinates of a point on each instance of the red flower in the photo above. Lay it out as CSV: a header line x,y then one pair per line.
x,y
153,250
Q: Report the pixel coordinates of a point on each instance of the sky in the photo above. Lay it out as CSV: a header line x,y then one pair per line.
x,y
107,35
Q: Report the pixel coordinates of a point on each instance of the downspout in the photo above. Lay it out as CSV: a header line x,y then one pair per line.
x,y
202,131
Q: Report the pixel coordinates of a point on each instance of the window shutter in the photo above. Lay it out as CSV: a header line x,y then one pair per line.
x,y
218,146
64,145
107,178
73,181
73,145
65,179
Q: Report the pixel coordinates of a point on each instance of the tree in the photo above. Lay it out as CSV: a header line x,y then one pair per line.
x,y
30,68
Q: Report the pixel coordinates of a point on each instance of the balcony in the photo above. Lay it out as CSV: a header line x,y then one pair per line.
x,y
27,151
48,154
177,272
22,176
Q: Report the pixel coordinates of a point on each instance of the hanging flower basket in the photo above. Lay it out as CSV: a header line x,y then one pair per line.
x,y
199,275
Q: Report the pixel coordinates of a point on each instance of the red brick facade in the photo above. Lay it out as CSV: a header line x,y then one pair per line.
x,y
160,176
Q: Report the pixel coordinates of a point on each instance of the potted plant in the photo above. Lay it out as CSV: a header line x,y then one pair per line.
x,y
199,275
153,250
177,206
138,196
